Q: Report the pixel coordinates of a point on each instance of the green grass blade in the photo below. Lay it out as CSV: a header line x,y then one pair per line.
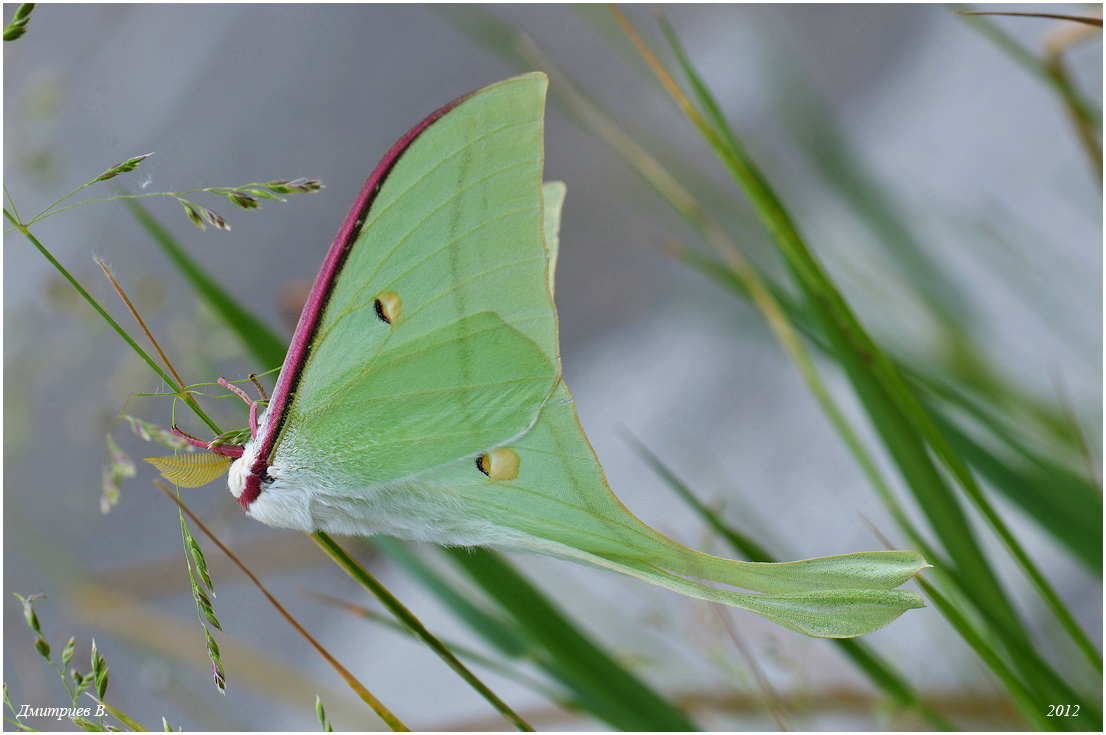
x,y
493,629
905,426
127,721
496,630
879,671
906,429
1086,110
742,543
509,636
627,702
890,681
191,402
1063,503
1028,678
506,670
1023,697
261,342
366,580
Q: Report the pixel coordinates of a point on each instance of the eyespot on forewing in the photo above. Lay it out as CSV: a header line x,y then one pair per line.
x,y
388,307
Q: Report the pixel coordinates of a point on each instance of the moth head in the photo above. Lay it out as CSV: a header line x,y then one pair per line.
x,y
236,477
243,479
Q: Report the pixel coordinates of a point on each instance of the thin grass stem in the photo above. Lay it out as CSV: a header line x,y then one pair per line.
x,y
1085,19
685,204
479,659
50,211
366,696
142,324
362,576
100,310
857,349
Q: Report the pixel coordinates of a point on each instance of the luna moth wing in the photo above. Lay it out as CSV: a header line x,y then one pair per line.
x,y
559,503
565,472
553,200
430,332
389,414
450,423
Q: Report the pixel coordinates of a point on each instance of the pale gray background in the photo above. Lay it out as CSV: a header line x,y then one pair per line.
x,y
227,94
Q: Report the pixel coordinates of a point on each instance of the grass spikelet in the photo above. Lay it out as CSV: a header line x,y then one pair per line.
x,y
99,671
193,213
118,466
75,685
320,712
122,168
147,431
18,26
204,608
244,200
215,219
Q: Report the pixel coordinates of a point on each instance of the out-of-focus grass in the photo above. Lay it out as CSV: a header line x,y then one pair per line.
x,y
953,406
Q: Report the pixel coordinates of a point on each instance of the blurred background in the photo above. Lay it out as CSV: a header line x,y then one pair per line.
x,y
966,153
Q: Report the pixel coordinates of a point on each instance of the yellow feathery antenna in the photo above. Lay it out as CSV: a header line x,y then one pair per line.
x,y
191,470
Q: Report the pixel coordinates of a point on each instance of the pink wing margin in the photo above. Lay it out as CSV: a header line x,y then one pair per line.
x,y
303,337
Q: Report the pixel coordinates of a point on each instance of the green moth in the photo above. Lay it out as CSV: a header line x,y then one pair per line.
x,y
422,396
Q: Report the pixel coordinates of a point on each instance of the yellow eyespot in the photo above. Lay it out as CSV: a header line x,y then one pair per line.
x,y
388,306
499,464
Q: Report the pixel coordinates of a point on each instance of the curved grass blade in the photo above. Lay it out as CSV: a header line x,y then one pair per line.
x,y
906,429
581,664
366,580
1084,19
496,630
1082,107
461,651
1086,116
509,635
106,317
261,342
366,696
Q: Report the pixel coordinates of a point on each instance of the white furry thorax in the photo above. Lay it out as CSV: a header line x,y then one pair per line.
x,y
309,493
306,497
240,468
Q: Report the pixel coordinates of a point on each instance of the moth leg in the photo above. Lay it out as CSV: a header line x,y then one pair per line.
x,y
260,388
252,404
235,390
227,450
194,441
